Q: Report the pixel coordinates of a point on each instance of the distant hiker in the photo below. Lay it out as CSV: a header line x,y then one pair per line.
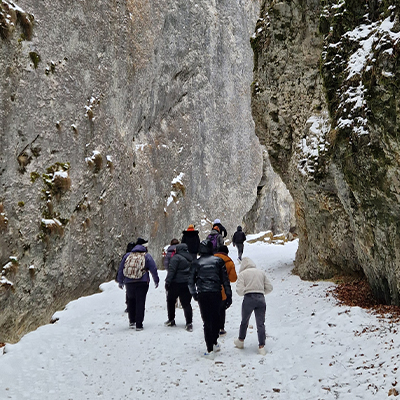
x,y
207,274
176,285
253,284
230,269
129,248
191,238
133,273
238,240
215,238
222,229
170,253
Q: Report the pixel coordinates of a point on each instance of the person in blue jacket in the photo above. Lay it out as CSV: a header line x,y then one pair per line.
x,y
136,289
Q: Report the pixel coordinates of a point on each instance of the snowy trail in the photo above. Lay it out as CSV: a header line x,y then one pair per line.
x,y
315,348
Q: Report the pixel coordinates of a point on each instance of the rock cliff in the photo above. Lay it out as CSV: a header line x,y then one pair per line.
x,y
118,119
326,106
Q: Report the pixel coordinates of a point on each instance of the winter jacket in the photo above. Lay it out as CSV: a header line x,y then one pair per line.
x,y
208,273
230,269
179,266
191,238
150,265
170,252
238,236
222,229
251,279
220,239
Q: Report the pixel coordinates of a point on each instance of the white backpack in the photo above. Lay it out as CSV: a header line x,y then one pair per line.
x,y
134,267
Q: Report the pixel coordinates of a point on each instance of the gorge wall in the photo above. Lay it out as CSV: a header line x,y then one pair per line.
x,y
118,119
326,105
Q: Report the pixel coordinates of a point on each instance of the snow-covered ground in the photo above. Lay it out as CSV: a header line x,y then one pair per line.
x,y
316,349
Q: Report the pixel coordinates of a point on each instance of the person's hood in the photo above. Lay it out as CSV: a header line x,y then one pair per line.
x,y
206,247
246,263
239,228
140,248
181,248
214,232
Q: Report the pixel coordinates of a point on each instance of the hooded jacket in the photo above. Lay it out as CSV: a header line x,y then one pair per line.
x,y
179,266
239,237
208,273
150,265
251,279
230,269
170,252
191,238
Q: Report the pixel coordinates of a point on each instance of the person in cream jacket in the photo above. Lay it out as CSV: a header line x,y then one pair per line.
x,y
253,284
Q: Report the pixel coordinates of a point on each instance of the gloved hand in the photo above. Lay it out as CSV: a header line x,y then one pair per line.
x,y
228,302
121,285
195,297
156,285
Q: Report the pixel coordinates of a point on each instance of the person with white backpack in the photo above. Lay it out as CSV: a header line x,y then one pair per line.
x,y
133,273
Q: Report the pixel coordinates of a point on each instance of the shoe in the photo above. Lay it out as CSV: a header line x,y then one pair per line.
x,y
132,325
222,332
209,355
216,347
170,323
262,351
238,343
189,327
139,328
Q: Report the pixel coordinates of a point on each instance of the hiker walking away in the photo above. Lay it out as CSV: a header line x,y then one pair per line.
x,y
192,239
215,238
170,253
222,229
176,285
230,269
207,274
133,273
238,240
253,284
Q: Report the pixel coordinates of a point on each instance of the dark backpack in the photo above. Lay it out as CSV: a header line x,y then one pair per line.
x,y
214,240
134,266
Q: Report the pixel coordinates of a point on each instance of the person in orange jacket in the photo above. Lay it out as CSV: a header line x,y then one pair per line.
x,y
230,268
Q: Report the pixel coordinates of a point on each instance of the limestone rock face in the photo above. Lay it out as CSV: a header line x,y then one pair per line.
x,y
325,105
118,120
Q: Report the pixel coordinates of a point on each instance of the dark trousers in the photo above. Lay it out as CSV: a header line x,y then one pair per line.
x,y
209,304
136,300
180,290
222,313
253,302
240,247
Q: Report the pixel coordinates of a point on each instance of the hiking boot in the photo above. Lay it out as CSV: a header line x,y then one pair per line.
x,y
222,332
189,327
239,343
139,328
209,355
170,323
216,347
262,351
132,325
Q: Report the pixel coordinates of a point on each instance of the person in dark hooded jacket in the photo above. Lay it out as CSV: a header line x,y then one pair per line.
x,y
238,240
207,275
222,229
136,289
176,285
192,239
